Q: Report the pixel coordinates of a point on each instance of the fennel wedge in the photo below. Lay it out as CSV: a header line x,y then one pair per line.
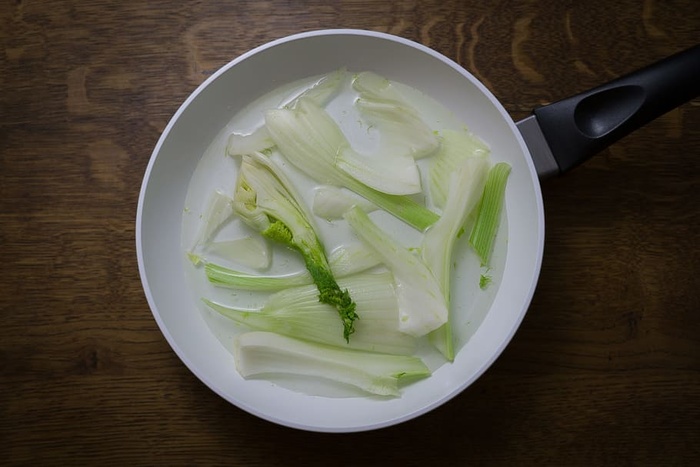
x,y
309,138
260,353
267,201
296,312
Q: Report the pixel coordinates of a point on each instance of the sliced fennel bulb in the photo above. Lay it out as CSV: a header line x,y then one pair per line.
x,y
323,90
403,133
488,219
331,202
391,169
311,140
296,312
218,210
253,251
257,141
352,258
309,137
260,141
397,174
267,201
260,353
464,193
422,307
344,261
222,276
456,146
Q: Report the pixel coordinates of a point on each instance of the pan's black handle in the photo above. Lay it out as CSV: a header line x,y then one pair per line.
x,y
583,125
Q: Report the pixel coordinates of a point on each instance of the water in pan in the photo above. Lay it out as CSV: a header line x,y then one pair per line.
x,y
217,171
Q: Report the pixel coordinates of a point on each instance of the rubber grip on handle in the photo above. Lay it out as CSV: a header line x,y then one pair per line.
x,y
580,126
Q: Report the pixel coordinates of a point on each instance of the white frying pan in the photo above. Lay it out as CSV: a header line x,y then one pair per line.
x,y
553,140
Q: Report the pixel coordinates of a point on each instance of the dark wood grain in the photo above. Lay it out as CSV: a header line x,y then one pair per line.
x,y
605,369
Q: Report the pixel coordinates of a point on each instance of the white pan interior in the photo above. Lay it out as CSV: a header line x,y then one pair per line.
x,y
211,107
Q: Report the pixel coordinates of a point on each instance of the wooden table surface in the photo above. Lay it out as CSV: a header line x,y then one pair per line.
x,y
605,369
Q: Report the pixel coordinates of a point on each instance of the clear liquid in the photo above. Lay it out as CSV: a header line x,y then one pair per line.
x,y
217,171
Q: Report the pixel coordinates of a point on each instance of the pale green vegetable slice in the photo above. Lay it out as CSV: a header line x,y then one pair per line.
x,y
218,210
488,219
309,137
344,261
259,140
422,306
464,194
311,141
352,258
375,87
260,353
403,136
222,276
268,202
253,251
455,147
403,133
393,174
331,202
296,312
323,90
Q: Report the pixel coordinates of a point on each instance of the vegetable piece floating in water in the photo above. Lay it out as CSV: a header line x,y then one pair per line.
x,y
353,258
489,217
222,276
218,210
422,306
331,202
267,201
403,133
253,251
455,147
296,312
309,138
464,192
259,140
260,353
